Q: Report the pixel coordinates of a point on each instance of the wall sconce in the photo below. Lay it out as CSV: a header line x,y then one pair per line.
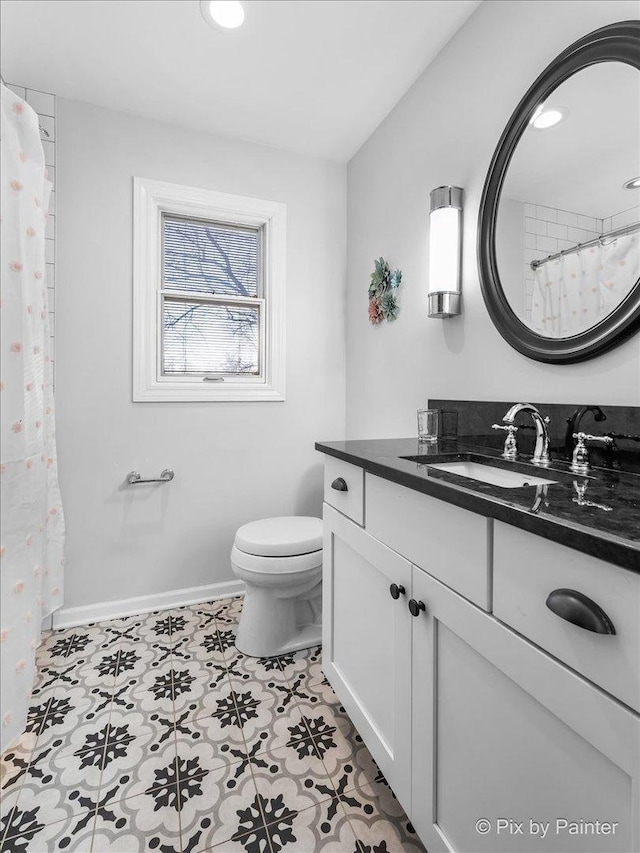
x,y
445,251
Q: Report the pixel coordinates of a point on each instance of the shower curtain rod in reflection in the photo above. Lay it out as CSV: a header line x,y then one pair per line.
x,y
611,235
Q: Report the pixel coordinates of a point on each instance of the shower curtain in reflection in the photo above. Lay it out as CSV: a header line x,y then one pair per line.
x,y
574,292
32,522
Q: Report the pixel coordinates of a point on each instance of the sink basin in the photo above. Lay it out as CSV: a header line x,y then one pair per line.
x,y
487,469
489,474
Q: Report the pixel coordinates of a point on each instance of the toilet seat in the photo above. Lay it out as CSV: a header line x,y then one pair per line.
x,y
286,536
276,565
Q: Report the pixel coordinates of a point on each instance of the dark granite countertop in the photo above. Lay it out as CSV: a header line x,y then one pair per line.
x,y
598,514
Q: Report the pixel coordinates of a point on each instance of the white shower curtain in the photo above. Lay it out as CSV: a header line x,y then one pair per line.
x,y
31,570
574,292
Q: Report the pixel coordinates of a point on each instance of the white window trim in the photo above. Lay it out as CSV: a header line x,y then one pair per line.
x,y
151,199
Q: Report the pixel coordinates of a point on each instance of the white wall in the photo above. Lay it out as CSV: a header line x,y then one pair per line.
x,y
510,253
233,462
444,131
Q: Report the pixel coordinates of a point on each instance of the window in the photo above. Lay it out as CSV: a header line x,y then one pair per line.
x,y
211,299
208,295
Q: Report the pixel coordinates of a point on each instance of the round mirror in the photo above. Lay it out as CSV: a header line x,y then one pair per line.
x,y
559,231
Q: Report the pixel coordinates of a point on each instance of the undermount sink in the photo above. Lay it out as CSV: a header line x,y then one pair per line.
x,y
487,469
490,474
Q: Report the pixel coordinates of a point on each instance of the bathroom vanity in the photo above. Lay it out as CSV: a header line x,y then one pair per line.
x,y
499,724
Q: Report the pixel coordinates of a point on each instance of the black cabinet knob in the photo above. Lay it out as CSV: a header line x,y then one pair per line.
x,y
579,610
396,591
340,485
416,606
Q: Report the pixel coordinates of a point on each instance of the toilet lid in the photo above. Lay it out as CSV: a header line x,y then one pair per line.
x,y
280,537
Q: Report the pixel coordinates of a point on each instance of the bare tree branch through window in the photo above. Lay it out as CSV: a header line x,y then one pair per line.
x,y
204,264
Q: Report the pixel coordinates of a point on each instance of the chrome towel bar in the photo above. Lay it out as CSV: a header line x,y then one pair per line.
x,y
133,478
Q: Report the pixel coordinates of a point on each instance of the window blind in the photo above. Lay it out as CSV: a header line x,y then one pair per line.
x,y
205,267
202,338
207,257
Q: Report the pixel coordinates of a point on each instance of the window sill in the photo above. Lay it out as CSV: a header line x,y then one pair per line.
x,y
223,392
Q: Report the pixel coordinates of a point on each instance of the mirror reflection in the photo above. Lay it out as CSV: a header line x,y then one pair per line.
x,y
568,224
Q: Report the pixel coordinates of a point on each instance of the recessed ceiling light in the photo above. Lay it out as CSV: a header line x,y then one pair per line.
x,y
545,117
224,14
633,184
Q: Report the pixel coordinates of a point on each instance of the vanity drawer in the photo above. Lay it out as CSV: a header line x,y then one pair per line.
x,y
452,544
344,488
527,568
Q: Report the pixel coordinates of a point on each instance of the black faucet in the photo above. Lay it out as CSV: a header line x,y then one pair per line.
x,y
573,424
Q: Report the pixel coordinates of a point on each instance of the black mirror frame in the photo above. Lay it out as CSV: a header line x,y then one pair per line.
x,y
618,42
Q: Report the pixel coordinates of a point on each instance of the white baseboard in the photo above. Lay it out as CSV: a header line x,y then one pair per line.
x,y
70,617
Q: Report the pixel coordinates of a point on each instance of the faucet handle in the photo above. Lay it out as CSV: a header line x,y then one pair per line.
x,y
510,450
580,460
584,436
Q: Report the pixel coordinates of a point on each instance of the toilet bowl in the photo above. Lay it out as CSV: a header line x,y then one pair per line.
x,y
280,562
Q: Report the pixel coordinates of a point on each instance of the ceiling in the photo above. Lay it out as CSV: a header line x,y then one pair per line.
x,y
314,76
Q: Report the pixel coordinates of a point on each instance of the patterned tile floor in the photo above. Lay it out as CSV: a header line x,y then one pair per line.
x,y
153,733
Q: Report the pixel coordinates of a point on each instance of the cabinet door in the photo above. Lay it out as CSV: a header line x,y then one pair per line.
x,y
367,643
503,732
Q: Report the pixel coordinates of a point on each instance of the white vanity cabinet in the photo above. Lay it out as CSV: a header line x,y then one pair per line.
x,y
450,543
489,737
344,488
527,569
367,642
502,732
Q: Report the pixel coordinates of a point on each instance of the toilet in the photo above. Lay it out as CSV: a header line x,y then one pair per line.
x,y
280,562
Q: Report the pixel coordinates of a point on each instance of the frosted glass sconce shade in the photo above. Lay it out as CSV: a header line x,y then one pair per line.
x,y
445,250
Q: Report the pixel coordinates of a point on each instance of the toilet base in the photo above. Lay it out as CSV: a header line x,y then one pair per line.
x,y
308,637
271,626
